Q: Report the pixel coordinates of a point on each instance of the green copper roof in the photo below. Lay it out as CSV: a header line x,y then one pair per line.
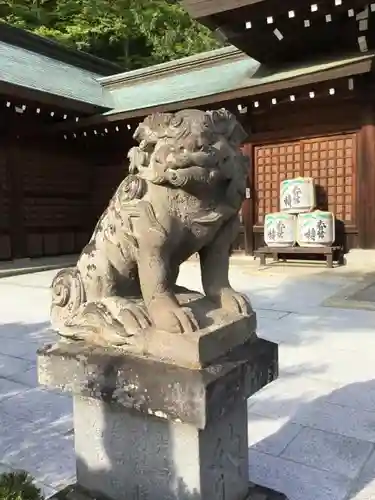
x,y
206,75
24,68
217,75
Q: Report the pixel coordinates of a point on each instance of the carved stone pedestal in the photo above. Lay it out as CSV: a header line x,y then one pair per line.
x,y
146,429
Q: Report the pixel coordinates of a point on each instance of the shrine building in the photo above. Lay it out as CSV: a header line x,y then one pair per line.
x,y
298,75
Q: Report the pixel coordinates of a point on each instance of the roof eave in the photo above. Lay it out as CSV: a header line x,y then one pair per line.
x,y
345,70
20,92
44,46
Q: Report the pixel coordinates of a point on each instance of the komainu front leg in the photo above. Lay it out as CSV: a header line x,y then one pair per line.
x,y
130,313
160,301
214,260
155,277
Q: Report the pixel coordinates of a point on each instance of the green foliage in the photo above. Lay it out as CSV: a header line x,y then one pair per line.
x,y
18,486
134,33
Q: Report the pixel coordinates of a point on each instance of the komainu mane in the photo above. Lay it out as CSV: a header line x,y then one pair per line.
x,y
182,196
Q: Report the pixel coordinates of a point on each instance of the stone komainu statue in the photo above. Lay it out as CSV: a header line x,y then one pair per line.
x,y
182,196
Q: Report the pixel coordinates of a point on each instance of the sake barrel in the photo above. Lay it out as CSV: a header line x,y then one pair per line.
x,y
279,229
316,229
297,195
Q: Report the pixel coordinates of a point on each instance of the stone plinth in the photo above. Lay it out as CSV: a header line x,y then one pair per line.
x,y
147,429
219,332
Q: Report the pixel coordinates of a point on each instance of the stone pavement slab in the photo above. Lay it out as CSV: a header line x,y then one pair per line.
x,y
363,488
310,432
42,450
341,420
359,396
358,295
288,395
295,480
11,366
40,407
8,388
270,435
329,452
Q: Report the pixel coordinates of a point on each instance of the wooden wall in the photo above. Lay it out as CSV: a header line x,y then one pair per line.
x,y
110,168
45,198
52,193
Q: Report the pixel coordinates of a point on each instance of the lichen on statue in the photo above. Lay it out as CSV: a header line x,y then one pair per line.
x,y
185,187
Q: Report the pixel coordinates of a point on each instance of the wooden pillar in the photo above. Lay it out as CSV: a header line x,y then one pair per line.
x,y
248,205
5,243
366,179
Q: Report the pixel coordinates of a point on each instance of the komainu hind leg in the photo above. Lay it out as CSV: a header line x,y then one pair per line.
x,y
88,306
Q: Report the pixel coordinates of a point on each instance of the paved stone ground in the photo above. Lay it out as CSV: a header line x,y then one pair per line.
x,y
311,433
367,294
27,266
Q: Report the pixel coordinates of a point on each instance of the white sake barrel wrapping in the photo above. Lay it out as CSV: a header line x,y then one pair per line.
x,y
280,229
316,229
297,195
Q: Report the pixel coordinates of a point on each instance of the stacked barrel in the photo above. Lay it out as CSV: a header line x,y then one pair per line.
x,y
298,221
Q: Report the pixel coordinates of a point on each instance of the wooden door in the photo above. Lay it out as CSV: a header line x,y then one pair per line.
x,y
329,160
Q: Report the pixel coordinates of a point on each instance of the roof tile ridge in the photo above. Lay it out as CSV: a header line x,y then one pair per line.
x,y
184,65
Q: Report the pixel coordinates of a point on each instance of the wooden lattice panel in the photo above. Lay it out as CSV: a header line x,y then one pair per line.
x,y
330,161
273,164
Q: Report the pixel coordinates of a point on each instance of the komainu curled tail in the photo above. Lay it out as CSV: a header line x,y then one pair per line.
x,y
68,294
76,319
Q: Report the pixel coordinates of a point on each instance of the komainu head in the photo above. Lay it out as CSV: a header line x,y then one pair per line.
x,y
191,146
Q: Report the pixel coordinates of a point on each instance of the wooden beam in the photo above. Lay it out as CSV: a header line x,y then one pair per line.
x,y
298,43
204,8
211,11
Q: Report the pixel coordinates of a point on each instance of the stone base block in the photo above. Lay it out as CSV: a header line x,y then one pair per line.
x,y
76,492
149,430
157,388
126,455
